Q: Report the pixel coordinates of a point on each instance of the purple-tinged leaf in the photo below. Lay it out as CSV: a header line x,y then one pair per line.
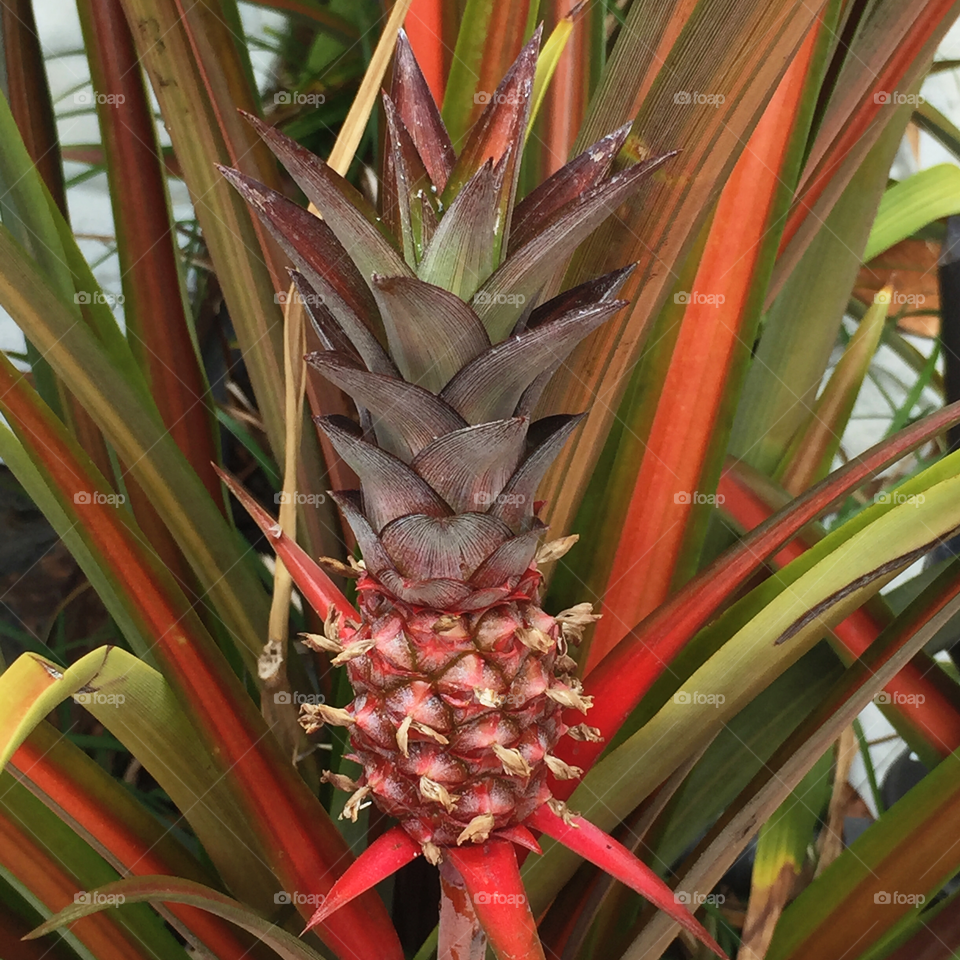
x,y
432,333
317,588
383,858
460,255
390,488
593,844
498,135
406,189
579,176
418,110
374,556
491,386
515,505
406,416
510,559
500,300
328,331
344,208
469,467
599,290
442,547
316,251
492,879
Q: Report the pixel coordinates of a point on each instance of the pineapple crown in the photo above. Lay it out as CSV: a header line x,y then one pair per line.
x,y
430,318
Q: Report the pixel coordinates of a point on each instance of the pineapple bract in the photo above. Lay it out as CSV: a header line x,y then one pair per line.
x,y
431,320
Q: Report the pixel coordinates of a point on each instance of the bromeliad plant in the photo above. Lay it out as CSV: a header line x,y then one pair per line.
x,y
460,675
500,342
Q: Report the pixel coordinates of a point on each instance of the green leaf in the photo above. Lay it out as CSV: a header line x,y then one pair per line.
x,y
913,203
173,890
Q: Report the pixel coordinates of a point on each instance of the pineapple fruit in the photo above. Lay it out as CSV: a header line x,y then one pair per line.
x,y
432,315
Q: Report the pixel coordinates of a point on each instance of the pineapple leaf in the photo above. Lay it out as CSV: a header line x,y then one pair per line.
x,y
432,333
459,257
319,255
491,386
384,857
443,547
491,868
351,218
516,554
599,848
515,504
407,189
469,467
500,300
406,416
583,173
418,110
499,135
390,488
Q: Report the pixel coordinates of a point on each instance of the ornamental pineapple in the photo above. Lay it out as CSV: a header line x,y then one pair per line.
x,y
431,319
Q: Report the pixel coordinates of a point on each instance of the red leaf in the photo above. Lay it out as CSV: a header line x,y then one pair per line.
x,y
384,857
623,677
593,844
492,878
317,588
